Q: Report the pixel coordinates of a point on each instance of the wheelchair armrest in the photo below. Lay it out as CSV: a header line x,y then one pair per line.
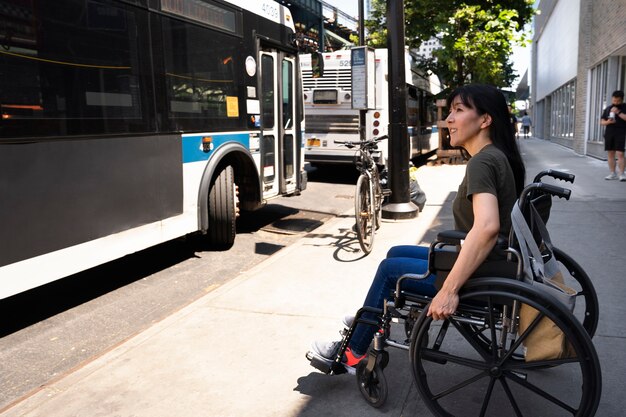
x,y
454,237
442,258
451,237
398,299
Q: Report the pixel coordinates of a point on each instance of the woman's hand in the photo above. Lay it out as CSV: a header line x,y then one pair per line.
x,y
443,305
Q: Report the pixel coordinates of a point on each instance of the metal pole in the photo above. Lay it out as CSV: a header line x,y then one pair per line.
x,y
361,23
400,205
362,112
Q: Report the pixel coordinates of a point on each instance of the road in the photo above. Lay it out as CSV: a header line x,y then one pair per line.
x,y
47,332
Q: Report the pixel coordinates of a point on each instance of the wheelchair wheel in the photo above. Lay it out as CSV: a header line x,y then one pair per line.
x,y
364,213
586,310
373,385
460,374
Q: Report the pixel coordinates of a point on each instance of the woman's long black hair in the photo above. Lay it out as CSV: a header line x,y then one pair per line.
x,y
486,99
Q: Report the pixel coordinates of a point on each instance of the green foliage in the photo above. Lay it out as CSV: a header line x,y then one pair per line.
x,y
477,36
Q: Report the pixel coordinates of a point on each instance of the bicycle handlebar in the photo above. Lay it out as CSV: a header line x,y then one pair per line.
x,y
363,144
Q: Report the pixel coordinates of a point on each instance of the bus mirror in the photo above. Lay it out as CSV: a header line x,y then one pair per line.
x,y
317,64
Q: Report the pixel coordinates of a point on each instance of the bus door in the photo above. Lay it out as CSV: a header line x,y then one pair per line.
x,y
278,112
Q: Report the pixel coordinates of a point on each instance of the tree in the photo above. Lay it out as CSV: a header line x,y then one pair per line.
x,y
477,36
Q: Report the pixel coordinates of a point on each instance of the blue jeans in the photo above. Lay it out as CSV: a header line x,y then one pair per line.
x,y
400,260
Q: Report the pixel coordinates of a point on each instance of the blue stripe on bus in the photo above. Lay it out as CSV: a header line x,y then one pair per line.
x,y
192,145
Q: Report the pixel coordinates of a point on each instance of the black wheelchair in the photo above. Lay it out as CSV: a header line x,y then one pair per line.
x,y
477,362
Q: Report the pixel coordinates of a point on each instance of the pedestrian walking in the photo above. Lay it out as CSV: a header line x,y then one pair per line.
x,y
614,118
526,124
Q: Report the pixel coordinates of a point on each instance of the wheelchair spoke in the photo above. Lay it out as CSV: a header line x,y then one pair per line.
x,y
528,330
520,365
509,395
483,409
511,350
492,329
443,357
540,392
472,339
459,386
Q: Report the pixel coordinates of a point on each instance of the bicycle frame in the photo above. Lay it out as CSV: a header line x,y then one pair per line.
x,y
369,193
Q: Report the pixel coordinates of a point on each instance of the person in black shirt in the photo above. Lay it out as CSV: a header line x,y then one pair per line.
x,y
614,118
479,122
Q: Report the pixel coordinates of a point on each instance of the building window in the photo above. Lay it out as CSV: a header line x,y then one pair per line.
x,y
606,77
562,117
597,100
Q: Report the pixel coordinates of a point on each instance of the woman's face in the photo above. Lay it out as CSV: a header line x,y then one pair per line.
x,y
464,123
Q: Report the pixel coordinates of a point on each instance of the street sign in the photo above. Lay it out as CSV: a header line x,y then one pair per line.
x,y
363,78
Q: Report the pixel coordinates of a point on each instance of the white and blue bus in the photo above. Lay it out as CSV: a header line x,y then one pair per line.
x,y
329,115
128,123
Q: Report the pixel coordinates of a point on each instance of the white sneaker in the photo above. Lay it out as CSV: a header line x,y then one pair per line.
x,y
327,351
611,176
623,177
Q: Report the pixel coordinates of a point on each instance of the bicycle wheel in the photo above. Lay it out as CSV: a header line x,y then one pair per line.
x,y
378,197
364,213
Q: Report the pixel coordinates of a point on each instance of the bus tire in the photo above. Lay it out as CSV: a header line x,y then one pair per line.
x,y
222,210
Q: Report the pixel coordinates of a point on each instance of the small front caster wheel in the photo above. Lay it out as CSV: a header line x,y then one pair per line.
x,y
372,385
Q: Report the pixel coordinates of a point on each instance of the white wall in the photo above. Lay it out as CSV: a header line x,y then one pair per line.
x,y
557,48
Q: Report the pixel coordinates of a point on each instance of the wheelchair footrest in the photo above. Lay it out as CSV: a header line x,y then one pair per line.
x,y
327,366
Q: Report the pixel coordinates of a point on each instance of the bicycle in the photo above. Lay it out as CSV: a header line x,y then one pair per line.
x,y
369,193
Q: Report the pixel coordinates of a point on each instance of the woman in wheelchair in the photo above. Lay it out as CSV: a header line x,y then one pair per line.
x,y
479,123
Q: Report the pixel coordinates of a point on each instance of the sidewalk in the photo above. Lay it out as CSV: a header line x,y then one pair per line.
x,y
239,351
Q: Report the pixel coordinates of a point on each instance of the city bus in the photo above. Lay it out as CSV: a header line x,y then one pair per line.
x,y
329,115
128,123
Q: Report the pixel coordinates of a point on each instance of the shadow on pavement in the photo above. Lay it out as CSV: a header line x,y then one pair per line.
x,y
339,395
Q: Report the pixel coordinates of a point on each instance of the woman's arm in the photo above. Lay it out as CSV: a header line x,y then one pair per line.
x,y
478,244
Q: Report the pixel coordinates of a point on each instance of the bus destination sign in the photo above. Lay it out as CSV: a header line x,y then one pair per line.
x,y
202,12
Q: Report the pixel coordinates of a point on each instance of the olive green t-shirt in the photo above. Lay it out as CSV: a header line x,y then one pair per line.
x,y
487,172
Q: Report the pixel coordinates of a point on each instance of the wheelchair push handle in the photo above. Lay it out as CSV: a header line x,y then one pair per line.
x,y
557,191
543,188
559,175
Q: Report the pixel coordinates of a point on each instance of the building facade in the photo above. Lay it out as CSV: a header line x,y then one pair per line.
x,y
426,49
578,60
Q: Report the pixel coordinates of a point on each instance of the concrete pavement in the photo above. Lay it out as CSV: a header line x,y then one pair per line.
x,y
239,351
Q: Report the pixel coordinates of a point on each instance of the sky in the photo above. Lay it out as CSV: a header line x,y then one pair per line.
x,y
520,58
351,7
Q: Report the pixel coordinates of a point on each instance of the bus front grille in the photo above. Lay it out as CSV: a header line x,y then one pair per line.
x,y
332,124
